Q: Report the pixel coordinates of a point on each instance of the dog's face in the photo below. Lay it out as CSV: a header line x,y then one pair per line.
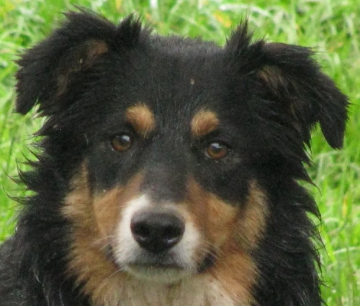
x,y
168,167
169,145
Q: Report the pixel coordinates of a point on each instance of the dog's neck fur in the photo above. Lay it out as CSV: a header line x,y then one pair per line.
x,y
201,291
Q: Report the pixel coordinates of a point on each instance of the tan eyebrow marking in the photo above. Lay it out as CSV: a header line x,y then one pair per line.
x,y
141,118
204,122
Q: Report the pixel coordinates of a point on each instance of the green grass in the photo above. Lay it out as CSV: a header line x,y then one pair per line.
x,y
331,26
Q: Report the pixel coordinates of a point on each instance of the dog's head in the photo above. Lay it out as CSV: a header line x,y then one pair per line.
x,y
166,142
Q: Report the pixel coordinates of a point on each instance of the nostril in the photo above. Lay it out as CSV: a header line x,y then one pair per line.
x,y
157,231
141,230
172,232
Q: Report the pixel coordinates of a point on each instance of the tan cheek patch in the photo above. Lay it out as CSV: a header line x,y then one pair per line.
x,y
77,207
141,119
108,206
237,270
106,211
93,219
253,219
216,218
203,123
221,221
86,259
233,231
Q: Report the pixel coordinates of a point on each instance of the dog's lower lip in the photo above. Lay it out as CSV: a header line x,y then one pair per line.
x,y
155,265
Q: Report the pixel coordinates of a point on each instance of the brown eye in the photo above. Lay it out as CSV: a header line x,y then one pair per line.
x,y
217,150
122,142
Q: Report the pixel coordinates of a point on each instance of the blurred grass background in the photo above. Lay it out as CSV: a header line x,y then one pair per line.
x,y
332,27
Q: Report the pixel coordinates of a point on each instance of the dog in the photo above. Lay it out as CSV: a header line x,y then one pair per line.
x,y
168,170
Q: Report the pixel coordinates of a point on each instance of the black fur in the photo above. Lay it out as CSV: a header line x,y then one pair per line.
x,y
271,96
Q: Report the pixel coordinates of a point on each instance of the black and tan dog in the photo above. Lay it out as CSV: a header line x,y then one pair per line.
x,y
168,171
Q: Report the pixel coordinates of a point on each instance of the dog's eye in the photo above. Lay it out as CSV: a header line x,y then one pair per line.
x,y
217,150
122,142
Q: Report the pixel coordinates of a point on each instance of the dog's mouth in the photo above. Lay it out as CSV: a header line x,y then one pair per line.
x,y
165,267
166,260
162,273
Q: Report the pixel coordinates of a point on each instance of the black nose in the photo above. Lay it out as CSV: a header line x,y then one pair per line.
x,y
157,231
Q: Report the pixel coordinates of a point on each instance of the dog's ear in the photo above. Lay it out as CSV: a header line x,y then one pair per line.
x,y
47,69
312,95
294,80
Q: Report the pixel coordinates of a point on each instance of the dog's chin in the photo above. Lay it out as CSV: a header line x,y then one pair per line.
x,y
165,269
158,273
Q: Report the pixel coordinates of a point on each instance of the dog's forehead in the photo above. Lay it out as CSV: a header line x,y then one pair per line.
x,y
171,83
181,68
